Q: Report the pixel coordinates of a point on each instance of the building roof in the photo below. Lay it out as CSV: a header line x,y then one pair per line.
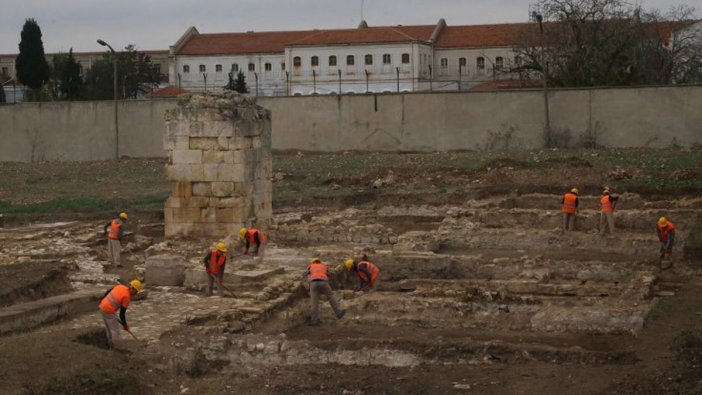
x,y
241,43
368,35
480,36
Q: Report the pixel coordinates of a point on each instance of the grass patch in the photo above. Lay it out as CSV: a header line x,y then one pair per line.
x,y
85,205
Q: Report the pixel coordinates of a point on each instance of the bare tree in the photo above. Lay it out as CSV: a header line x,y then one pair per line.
x,y
609,42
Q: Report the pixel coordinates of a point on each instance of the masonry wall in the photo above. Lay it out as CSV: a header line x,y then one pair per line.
x,y
636,117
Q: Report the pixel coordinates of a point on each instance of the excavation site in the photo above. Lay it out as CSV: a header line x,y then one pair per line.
x,y
480,291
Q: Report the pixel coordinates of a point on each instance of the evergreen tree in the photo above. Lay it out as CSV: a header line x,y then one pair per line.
x,y
2,94
238,84
135,75
32,67
67,76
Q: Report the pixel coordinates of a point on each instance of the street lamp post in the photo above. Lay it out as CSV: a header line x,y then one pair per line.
x,y
547,116
114,68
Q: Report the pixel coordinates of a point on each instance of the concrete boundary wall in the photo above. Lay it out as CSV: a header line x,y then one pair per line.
x,y
623,117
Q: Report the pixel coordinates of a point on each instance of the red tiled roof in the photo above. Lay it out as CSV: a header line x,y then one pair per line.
x,y
241,43
368,35
169,91
502,35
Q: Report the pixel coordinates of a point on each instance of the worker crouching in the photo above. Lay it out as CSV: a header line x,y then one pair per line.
x,y
252,237
318,276
215,260
367,273
117,298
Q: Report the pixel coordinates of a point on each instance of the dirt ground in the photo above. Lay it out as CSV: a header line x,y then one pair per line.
x,y
460,313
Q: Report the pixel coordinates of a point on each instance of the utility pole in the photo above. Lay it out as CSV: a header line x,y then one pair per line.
x,y
397,71
547,117
114,90
339,72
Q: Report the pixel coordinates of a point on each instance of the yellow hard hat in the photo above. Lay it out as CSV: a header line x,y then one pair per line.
x,y
316,260
605,191
574,190
242,233
348,264
136,284
123,215
221,247
662,221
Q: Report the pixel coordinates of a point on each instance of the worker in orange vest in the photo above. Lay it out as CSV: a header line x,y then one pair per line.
x,y
251,236
607,204
117,298
215,261
666,235
115,231
570,206
367,272
318,276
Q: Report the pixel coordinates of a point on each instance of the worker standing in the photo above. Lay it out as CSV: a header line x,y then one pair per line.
x,y
118,298
367,272
251,236
607,204
115,231
666,235
215,260
570,206
318,276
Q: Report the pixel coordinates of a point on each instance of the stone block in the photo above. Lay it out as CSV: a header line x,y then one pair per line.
x,y
223,142
178,172
173,202
181,189
222,189
196,202
225,215
165,270
210,172
202,189
212,156
245,276
197,173
186,214
176,142
186,156
195,278
228,202
225,172
203,143
208,214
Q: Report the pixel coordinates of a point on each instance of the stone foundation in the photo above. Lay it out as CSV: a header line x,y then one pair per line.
x,y
219,165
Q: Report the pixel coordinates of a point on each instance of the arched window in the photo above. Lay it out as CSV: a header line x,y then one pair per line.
x,y
369,60
314,61
268,67
332,60
499,63
297,61
480,63
405,58
350,61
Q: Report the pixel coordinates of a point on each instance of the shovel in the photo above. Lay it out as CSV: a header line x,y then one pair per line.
x,y
222,284
130,332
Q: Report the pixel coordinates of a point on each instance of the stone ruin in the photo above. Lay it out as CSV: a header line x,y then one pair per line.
x,y
219,165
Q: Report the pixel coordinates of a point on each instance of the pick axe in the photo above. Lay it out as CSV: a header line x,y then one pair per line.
x,y
221,283
130,332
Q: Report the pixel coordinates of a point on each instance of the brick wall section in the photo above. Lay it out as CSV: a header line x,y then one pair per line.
x,y
219,165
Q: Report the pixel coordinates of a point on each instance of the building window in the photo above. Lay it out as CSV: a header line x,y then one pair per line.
x,y
480,63
387,59
252,67
332,60
203,68
405,58
235,67
499,62
369,60
297,61
350,61
157,68
314,61
218,68
462,62
444,63
268,67
282,66
518,61
186,68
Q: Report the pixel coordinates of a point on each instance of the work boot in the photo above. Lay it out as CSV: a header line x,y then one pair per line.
x,y
341,314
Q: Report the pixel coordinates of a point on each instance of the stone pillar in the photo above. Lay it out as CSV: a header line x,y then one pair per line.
x,y
219,165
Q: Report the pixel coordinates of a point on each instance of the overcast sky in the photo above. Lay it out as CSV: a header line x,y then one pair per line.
x,y
156,24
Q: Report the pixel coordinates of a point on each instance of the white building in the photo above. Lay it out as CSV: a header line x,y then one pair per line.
x,y
361,60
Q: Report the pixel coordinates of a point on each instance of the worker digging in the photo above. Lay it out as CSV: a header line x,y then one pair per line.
x,y
117,298
367,273
318,277
215,261
115,232
608,202
666,235
250,237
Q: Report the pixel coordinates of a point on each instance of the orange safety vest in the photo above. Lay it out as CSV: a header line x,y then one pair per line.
x,y
606,204
217,259
663,232
119,296
250,236
115,226
373,269
569,203
318,271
